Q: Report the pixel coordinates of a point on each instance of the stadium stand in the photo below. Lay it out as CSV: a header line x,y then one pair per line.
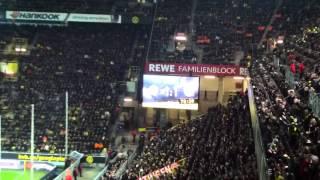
x,y
204,147
88,61
78,59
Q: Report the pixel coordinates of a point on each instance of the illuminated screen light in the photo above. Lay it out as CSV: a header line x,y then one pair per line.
x,y
181,38
171,92
3,67
170,105
11,68
238,78
210,77
280,41
20,49
127,99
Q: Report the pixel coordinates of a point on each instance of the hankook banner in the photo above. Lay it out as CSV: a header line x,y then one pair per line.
x,y
62,17
36,16
195,69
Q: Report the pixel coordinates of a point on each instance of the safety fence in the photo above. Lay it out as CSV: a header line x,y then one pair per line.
x,y
259,148
314,103
76,157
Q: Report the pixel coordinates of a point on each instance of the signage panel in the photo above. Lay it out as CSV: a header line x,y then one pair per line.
x,y
61,17
94,18
36,16
195,69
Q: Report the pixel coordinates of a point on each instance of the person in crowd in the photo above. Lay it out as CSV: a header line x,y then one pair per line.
x,y
75,173
79,169
301,69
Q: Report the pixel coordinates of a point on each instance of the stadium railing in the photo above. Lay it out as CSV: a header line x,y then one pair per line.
x,y
101,173
76,156
290,78
314,103
259,148
126,164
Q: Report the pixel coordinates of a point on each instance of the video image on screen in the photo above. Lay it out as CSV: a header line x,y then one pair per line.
x,y
172,92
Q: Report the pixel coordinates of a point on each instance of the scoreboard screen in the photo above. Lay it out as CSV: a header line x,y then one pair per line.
x,y
171,92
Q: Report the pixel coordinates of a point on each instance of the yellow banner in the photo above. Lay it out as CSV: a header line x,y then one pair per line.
x,y
42,158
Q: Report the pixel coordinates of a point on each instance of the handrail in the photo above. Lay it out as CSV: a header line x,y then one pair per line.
x,y
126,164
78,157
259,148
101,173
314,103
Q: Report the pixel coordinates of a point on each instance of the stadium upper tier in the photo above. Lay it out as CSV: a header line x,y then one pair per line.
x,y
78,6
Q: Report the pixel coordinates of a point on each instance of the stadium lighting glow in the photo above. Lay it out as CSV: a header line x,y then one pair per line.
x,y
17,49
209,77
280,41
127,99
238,78
181,38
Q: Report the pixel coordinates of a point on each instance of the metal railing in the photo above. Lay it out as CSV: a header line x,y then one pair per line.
x,y
101,173
77,158
258,142
120,172
314,98
290,77
314,103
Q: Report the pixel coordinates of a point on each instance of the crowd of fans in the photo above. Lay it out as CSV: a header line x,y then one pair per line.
x,y
171,17
217,145
86,61
285,82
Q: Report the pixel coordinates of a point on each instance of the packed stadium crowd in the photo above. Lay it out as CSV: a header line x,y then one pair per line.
x,y
79,60
216,145
289,130
285,82
165,27
88,61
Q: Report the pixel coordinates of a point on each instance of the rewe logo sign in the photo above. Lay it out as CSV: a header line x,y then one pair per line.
x,y
161,68
36,16
195,69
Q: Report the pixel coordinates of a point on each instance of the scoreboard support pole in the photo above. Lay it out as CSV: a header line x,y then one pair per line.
x,y
0,141
0,138
32,141
67,126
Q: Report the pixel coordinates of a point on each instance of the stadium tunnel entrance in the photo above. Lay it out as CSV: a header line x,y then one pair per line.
x,y
173,93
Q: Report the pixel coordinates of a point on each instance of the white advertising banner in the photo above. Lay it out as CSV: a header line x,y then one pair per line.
x,y
94,18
